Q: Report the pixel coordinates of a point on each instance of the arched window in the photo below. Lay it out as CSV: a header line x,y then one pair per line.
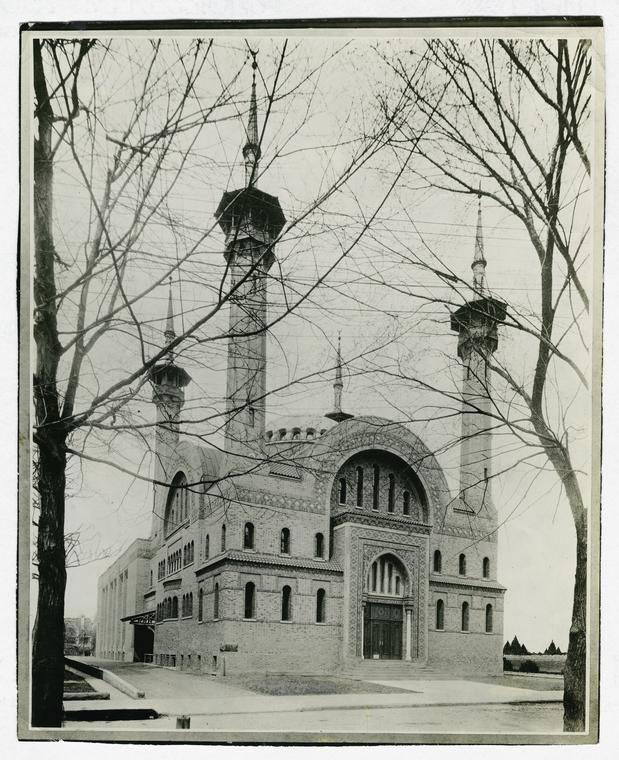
x,y
406,503
319,545
465,616
284,541
440,615
250,600
359,486
437,564
391,496
216,601
321,604
376,487
286,603
176,507
207,546
151,577
462,564
191,603
201,605
174,606
183,606
386,576
342,490
488,618
223,538
184,555
485,567
248,536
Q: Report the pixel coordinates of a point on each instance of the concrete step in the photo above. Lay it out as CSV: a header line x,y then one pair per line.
x,y
387,670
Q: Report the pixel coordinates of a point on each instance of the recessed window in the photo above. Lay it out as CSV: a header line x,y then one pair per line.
x,y
440,615
250,600
284,542
342,490
223,538
462,564
437,564
376,487
488,618
201,605
286,603
207,546
406,503
485,567
319,545
248,536
359,486
465,616
321,605
391,494
216,601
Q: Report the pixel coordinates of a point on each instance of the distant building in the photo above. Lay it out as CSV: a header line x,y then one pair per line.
x,y
79,636
309,544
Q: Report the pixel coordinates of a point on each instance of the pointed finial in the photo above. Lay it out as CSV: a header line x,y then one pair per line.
x,y
251,149
337,414
169,333
479,262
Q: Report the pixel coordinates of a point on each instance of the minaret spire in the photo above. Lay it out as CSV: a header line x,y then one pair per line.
x,y
251,149
479,262
337,414
169,333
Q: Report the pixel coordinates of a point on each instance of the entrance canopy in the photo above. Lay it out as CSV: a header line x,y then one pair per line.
x,y
142,618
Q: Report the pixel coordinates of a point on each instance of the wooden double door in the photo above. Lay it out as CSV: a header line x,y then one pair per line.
x,y
382,631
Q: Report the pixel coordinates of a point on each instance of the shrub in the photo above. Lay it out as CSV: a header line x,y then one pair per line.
x,y
529,666
507,664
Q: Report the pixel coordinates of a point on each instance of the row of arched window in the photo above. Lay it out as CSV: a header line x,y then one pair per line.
x,y
405,500
167,609
464,616
161,570
437,564
249,603
188,553
249,541
174,561
187,605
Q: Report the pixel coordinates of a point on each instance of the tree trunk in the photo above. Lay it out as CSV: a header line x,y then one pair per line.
x,y
575,677
50,434
48,644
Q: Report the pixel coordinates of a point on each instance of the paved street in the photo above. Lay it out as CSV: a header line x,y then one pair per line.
x,y
424,706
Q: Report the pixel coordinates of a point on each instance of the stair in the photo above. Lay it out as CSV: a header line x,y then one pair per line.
x,y
386,670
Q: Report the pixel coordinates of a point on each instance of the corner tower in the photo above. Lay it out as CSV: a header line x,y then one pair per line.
x,y
251,221
476,324
168,381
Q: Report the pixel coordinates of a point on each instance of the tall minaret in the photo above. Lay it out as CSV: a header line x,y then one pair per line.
x,y
476,324
337,414
251,220
169,381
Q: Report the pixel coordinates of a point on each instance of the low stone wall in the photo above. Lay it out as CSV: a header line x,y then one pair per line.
x,y
105,675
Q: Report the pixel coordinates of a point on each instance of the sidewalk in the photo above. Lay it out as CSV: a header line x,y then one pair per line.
x,y
217,698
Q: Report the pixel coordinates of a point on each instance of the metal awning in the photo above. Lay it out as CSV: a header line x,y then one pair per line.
x,y
142,618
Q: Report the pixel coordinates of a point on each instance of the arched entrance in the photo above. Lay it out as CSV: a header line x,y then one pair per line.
x,y
384,632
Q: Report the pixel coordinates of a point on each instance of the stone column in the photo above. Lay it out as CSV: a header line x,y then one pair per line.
x,y
409,626
362,629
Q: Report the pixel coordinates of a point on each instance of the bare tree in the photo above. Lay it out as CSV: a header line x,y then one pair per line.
x,y
514,129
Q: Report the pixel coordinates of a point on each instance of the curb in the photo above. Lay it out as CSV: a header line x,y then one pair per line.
x,y
116,681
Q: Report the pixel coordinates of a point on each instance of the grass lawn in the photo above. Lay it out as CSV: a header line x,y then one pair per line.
x,y
524,681
75,684
276,685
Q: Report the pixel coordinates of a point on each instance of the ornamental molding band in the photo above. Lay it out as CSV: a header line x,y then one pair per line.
x,y
234,556
380,520
472,585
259,497
453,530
